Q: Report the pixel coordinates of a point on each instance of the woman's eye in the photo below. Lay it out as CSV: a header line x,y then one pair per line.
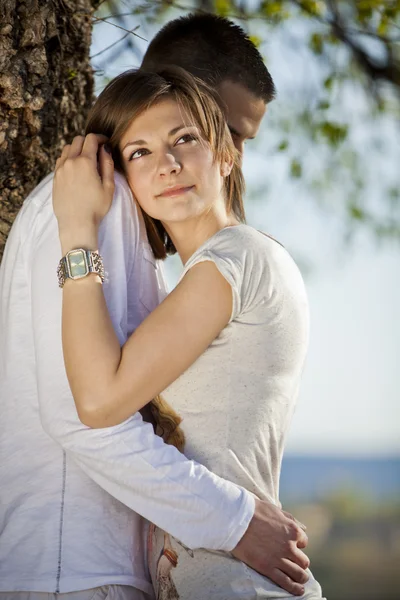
x,y
138,153
188,137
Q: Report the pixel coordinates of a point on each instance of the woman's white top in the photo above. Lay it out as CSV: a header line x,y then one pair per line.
x,y
238,398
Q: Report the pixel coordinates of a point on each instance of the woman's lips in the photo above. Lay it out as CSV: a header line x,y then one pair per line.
x,y
176,191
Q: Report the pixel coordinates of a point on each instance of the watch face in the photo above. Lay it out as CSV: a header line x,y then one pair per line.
x,y
77,264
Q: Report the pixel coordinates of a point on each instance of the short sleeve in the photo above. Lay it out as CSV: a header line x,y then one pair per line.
x,y
228,264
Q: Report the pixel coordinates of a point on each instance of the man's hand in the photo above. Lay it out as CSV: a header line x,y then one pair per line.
x,y
271,546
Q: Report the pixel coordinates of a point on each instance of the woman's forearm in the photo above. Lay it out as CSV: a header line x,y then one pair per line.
x,y
110,384
91,349
83,236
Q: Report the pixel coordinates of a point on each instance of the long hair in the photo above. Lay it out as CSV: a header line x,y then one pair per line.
x,y
123,100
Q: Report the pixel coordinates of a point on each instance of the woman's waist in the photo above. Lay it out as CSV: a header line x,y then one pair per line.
x,y
202,574
256,471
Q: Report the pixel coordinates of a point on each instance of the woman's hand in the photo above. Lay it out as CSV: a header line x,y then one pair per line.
x,y
82,194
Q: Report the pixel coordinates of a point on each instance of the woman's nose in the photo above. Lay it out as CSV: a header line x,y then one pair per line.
x,y
169,164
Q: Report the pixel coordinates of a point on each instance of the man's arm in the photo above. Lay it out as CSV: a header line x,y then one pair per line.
x,y
128,460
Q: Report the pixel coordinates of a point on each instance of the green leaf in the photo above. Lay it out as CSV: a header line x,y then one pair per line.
x,y
334,133
383,26
272,8
323,105
356,213
365,10
257,41
328,83
312,7
316,43
283,145
295,169
223,7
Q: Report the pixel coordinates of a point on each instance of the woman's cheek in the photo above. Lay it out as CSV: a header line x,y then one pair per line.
x,y
135,176
141,189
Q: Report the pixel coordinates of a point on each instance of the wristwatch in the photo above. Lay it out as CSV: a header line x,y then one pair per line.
x,y
79,263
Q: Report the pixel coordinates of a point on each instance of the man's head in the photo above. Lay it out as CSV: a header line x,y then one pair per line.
x,y
221,54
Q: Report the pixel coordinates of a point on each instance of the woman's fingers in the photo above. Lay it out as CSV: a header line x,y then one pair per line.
x,y
88,145
76,147
106,166
64,155
91,146
70,151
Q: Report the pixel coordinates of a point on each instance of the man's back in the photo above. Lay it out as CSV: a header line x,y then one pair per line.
x,y
60,531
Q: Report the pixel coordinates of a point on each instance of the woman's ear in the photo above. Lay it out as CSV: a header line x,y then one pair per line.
x,y
226,167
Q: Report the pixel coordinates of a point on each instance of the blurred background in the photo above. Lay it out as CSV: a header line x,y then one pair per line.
x,y
323,177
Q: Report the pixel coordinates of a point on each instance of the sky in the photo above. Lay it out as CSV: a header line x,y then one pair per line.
x,y
349,399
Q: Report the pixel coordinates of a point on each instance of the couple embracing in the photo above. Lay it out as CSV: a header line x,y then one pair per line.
x,y
143,431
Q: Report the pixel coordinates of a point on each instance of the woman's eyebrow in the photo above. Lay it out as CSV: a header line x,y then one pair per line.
x,y
176,129
135,143
143,142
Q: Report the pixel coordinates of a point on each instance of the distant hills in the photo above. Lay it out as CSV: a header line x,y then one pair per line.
x,y
310,478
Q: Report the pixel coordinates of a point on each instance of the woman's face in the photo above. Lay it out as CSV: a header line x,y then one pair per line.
x,y
169,167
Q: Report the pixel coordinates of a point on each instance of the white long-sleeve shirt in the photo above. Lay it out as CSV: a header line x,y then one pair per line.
x,y
68,493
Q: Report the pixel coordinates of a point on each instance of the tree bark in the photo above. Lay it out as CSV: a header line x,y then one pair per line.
x,y
46,89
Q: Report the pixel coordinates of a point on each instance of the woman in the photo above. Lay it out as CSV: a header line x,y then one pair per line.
x,y
226,347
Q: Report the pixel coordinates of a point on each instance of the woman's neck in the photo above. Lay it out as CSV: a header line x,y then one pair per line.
x,y
188,236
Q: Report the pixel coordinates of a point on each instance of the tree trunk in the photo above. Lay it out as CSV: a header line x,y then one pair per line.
x,y
46,89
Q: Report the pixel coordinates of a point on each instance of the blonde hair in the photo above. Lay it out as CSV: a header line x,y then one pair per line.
x,y
124,99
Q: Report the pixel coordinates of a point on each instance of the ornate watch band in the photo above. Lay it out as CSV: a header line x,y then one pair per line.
x,y
79,263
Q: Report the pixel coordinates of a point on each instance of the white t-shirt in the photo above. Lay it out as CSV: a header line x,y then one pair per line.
x,y
237,400
65,489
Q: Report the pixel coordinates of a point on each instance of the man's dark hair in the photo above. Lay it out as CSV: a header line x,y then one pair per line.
x,y
212,48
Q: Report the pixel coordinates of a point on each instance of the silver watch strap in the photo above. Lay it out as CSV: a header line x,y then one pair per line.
x,y
95,265
95,262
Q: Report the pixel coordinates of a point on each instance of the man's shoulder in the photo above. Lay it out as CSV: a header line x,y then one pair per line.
x,y
40,199
124,209
123,224
43,191
35,211
121,184
36,217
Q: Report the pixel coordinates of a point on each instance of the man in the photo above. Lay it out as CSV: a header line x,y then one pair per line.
x,y
72,496
218,52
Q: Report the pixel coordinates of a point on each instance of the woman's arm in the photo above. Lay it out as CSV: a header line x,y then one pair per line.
x,y
108,383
